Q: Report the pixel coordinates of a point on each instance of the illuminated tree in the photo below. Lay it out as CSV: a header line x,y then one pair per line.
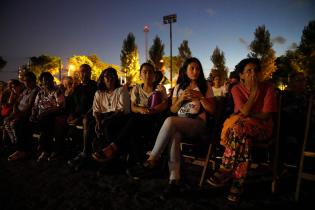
x,y
99,66
44,63
286,64
129,58
94,61
156,53
176,63
261,47
76,61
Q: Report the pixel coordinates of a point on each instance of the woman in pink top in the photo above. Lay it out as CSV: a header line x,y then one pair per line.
x,y
255,102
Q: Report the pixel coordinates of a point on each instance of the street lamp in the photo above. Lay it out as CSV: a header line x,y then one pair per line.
x,y
169,19
146,30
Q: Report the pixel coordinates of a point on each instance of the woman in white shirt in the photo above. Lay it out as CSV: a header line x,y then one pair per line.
x,y
192,99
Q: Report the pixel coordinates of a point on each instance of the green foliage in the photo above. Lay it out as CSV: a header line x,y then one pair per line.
x,y
176,63
129,58
261,47
218,60
2,63
184,51
286,64
307,49
44,63
94,61
156,53
99,66
307,45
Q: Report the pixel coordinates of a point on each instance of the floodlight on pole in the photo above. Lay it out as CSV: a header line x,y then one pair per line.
x,y
169,19
146,30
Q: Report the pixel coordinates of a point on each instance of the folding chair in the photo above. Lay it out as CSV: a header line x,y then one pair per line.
x,y
272,146
301,173
214,137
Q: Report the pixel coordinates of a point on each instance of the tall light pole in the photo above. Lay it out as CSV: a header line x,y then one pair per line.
x,y
146,30
169,19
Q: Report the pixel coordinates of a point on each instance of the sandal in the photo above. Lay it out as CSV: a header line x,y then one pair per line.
x,y
220,178
151,164
43,157
234,195
108,153
17,155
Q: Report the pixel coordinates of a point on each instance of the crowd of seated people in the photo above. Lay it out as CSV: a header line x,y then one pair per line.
x,y
122,123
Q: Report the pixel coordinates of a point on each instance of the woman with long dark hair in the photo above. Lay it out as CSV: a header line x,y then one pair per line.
x,y
192,100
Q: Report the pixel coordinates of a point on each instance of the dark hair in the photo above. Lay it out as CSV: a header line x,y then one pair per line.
x,y
158,78
101,84
146,64
16,82
239,68
31,76
86,67
181,73
47,76
184,81
235,75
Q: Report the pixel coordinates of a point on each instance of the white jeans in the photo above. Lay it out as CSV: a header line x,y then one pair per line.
x,y
173,130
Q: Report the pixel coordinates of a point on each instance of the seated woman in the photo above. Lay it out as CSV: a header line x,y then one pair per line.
x,y
219,90
49,103
143,118
252,121
15,96
111,106
18,122
111,101
192,100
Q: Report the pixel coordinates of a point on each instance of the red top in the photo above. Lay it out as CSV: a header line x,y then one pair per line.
x,y
265,99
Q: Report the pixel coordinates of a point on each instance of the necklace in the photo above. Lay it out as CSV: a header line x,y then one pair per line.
x,y
108,96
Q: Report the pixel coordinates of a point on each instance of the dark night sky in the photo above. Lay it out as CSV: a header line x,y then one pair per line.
x,y
77,27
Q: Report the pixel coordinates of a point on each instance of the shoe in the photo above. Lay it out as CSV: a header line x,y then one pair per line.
x,y
219,178
43,156
78,162
150,164
234,195
173,189
108,153
54,156
17,155
136,172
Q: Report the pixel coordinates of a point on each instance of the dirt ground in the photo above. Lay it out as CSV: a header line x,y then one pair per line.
x,y
27,184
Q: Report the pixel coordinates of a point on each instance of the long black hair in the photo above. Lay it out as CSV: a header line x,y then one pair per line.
x,y
101,84
184,81
48,77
